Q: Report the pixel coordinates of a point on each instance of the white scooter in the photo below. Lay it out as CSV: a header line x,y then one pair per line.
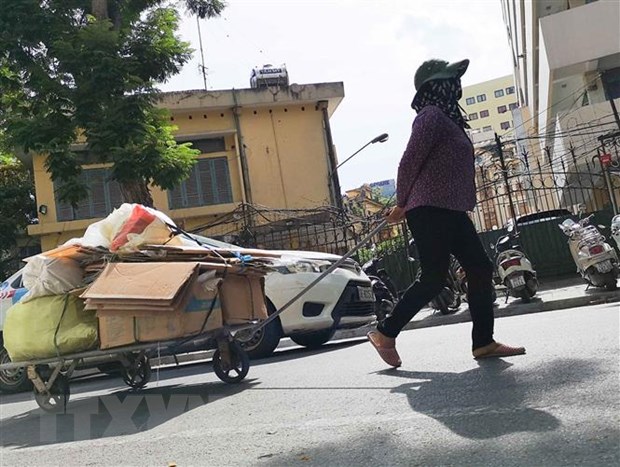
x,y
513,266
615,229
596,260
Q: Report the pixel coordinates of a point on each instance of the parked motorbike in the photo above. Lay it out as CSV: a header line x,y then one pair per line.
x,y
513,267
615,229
385,292
596,260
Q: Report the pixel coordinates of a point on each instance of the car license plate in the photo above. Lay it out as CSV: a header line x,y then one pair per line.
x,y
604,266
366,294
518,281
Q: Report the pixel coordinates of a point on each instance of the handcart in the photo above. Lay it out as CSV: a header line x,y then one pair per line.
x,y
50,376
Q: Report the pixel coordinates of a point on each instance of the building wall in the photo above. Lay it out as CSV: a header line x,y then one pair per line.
x,y
286,154
281,139
491,104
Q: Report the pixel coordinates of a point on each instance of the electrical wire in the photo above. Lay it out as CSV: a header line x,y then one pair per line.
x,y
513,130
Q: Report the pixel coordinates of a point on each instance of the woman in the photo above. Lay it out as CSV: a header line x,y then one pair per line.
x,y
435,189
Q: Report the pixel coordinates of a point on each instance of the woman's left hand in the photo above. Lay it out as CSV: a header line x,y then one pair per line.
x,y
397,214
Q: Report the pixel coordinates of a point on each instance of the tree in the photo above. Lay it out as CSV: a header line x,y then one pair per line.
x,y
17,208
86,70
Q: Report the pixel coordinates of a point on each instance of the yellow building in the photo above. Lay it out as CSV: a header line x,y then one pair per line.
x,y
269,147
488,105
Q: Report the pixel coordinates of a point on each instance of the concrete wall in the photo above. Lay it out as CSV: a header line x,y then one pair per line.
x,y
578,36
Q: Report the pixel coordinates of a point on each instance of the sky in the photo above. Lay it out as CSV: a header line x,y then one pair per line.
x,y
372,46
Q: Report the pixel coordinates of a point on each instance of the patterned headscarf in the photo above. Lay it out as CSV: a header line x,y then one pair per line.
x,y
445,94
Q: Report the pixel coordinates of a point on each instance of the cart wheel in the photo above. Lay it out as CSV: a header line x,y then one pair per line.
x,y
138,374
235,370
55,400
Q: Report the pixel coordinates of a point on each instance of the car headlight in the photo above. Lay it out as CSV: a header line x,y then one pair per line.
x,y
296,265
308,266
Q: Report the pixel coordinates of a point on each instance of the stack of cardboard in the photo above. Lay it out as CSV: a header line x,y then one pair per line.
x,y
159,301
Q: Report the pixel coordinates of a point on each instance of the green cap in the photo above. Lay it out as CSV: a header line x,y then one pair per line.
x,y
437,69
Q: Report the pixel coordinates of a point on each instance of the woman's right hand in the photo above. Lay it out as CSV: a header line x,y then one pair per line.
x,y
396,214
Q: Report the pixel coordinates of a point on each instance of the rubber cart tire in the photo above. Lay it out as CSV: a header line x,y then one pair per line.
x,y
56,399
238,368
138,374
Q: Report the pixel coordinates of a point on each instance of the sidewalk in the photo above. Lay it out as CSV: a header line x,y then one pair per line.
x,y
554,295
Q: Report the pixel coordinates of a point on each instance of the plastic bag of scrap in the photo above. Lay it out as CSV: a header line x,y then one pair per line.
x,y
44,276
128,227
49,326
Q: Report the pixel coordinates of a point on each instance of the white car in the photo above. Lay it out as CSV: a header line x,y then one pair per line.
x,y
343,299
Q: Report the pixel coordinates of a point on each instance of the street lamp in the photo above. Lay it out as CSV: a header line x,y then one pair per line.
x,y
382,138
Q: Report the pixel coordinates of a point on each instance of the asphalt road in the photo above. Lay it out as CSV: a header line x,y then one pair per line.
x,y
557,405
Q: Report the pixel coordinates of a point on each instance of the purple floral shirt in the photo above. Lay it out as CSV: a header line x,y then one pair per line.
x,y
437,168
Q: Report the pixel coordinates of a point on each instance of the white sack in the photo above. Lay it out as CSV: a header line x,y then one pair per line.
x,y
50,276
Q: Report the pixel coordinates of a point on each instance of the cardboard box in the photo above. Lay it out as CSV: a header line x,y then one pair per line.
x,y
118,328
241,299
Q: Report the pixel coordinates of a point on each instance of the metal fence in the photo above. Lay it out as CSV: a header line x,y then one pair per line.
x,y
540,191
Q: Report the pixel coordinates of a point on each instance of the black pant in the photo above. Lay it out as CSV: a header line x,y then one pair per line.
x,y
438,233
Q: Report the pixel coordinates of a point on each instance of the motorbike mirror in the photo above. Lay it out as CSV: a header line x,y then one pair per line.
x,y
510,225
600,226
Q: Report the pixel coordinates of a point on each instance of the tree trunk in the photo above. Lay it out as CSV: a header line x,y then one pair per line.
x,y
137,192
100,9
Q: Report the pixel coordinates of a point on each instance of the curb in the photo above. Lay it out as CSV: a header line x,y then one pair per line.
x,y
432,320
538,306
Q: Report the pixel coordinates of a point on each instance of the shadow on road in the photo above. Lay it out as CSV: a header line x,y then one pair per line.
x,y
485,402
489,401
119,413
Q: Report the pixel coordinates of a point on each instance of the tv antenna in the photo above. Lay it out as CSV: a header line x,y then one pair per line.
x,y
202,68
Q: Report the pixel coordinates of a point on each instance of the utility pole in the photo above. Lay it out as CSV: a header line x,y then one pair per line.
x,y
500,152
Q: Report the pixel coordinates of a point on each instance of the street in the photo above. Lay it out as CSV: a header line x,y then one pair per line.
x,y
557,405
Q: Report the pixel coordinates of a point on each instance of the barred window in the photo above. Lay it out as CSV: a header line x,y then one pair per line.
x,y
481,97
499,93
103,196
473,116
470,100
206,145
208,184
484,113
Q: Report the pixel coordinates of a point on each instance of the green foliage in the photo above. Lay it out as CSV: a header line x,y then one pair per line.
x,y
17,208
65,73
383,248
